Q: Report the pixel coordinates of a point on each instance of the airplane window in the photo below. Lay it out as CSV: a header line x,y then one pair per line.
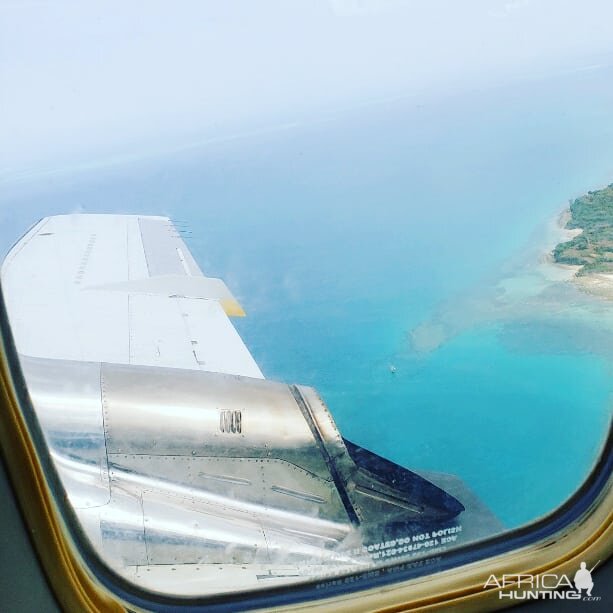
x,y
309,314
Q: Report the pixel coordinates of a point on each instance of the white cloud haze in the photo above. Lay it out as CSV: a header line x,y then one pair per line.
x,y
82,80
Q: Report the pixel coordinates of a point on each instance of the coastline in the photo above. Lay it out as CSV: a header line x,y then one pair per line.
x,y
556,232
596,284
535,287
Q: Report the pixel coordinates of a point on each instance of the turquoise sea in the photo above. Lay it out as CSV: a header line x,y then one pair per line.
x,y
343,232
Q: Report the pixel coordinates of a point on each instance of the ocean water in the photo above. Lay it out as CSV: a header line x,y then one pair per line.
x,y
343,233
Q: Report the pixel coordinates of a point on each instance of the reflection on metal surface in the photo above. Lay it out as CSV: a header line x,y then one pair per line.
x,y
171,466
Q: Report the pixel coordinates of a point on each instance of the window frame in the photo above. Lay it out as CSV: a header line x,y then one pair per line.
x,y
580,528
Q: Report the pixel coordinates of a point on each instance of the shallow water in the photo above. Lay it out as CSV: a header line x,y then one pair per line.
x,y
343,234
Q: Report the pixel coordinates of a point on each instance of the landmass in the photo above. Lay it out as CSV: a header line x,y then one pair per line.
x,y
591,249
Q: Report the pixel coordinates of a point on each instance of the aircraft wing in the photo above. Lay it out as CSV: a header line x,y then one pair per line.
x,y
123,289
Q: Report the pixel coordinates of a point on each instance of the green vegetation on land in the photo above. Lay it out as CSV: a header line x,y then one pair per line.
x,y
593,248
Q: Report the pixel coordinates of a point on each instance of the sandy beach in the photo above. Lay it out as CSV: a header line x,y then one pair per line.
x,y
597,284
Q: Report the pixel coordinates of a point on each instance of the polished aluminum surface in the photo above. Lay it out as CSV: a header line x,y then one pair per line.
x,y
162,471
157,481
68,403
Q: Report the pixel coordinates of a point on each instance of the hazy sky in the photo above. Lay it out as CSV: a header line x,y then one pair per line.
x,y
82,81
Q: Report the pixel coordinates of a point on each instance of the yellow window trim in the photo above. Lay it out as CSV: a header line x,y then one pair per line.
x,y
74,588
461,589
